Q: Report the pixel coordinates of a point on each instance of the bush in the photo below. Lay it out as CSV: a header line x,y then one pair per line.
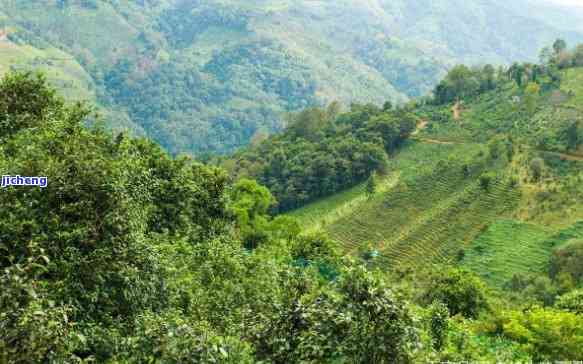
x,y
486,180
547,334
537,166
567,259
461,291
572,301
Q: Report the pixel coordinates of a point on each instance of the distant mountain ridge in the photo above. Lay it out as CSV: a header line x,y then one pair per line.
x,y
210,75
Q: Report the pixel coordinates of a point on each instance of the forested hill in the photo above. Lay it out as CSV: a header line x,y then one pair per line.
x,y
466,251
209,75
324,151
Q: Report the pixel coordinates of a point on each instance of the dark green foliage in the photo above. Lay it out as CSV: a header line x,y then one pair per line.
x,y
537,166
567,259
463,83
321,152
439,322
486,180
26,102
461,291
314,247
359,320
171,338
32,326
371,184
85,242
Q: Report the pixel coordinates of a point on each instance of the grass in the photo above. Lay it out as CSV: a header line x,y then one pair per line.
x,y
61,69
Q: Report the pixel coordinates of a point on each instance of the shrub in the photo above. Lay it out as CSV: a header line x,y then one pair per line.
x,y
572,301
461,291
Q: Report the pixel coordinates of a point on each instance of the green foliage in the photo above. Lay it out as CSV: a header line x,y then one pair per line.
x,y
537,166
206,75
32,326
461,291
250,203
439,324
371,184
486,180
171,338
572,301
321,153
359,320
26,102
462,83
567,259
547,334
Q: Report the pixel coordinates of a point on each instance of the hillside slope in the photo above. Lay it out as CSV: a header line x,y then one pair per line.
x,y
494,190
208,75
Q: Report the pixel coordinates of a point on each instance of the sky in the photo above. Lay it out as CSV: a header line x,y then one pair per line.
x,y
577,3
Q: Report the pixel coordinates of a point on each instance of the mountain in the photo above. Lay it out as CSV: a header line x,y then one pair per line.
x,y
210,75
464,244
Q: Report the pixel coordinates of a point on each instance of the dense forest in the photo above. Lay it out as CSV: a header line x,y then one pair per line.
x,y
324,151
131,255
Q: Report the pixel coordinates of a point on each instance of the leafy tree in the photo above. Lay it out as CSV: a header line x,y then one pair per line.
x,y
461,291
26,101
559,46
250,204
531,96
438,324
537,168
371,184
360,321
572,301
547,334
486,180
567,259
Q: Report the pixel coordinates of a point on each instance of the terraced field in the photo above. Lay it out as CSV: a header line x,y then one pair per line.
x,y
436,208
510,247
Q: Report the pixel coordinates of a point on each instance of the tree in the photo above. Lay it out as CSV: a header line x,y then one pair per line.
x,y
438,324
371,184
516,72
578,56
531,96
572,134
572,302
359,320
536,168
250,203
559,46
27,101
567,259
461,291
546,56
486,180
547,334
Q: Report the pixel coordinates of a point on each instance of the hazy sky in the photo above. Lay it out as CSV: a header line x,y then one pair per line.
x,y
578,3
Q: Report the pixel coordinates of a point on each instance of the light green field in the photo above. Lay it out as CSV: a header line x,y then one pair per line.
x,y
427,211
510,247
62,70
